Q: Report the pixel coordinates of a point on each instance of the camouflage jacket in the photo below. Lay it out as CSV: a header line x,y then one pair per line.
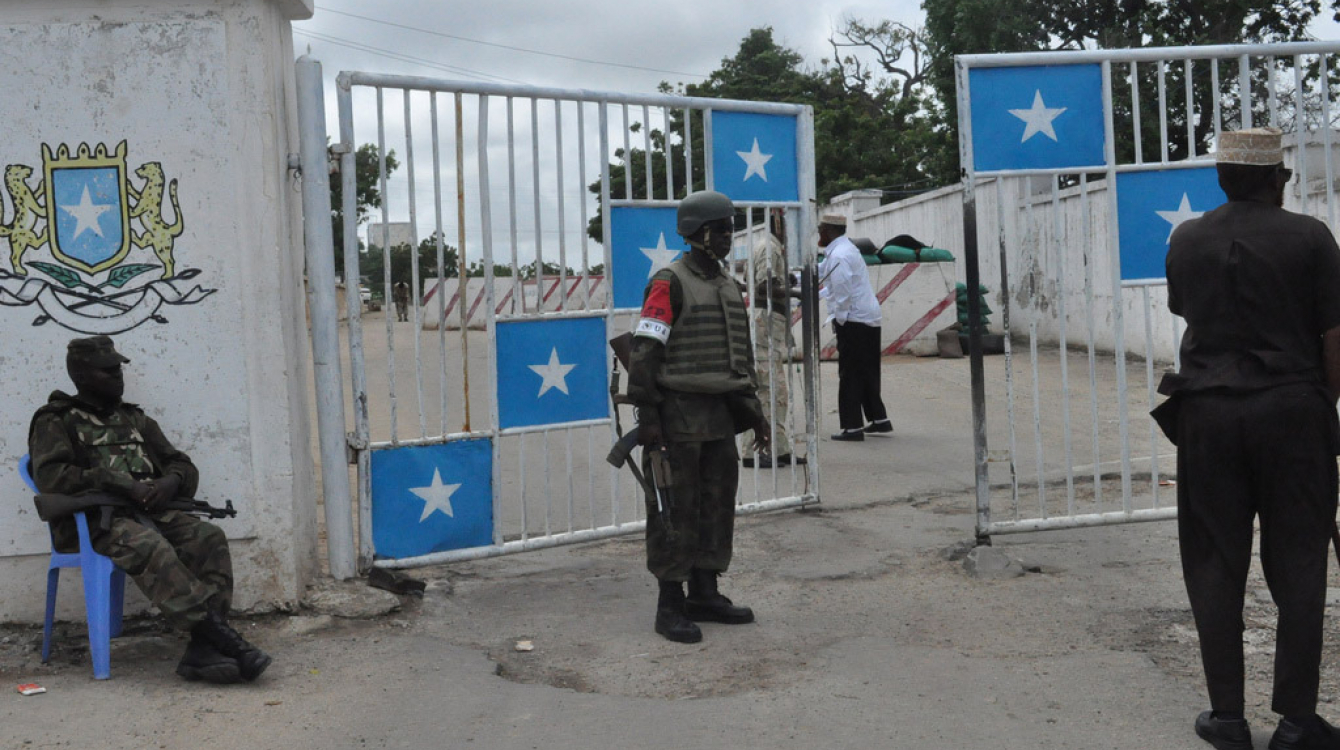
x,y
76,447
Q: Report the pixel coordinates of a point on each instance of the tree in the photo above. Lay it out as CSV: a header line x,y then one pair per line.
x,y
871,129
367,195
372,263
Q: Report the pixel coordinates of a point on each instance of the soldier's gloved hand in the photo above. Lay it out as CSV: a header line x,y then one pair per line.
x,y
649,434
162,490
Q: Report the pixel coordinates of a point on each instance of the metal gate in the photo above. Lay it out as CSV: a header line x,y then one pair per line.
x,y
480,425
1078,165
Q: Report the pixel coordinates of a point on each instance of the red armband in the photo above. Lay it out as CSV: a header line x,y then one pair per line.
x,y
657,305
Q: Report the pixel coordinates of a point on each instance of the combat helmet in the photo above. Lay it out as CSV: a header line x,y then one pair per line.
x,y
701,207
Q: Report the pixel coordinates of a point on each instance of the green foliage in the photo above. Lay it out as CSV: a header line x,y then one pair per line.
x,y
372,263
367,195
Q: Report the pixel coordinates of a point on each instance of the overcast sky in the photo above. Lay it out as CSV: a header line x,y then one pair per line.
x,y
635,44
599,45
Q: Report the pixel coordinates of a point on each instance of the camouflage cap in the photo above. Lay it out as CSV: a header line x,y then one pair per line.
x,y
96,351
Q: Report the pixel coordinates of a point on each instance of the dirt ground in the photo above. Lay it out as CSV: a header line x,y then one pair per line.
x,y
870,633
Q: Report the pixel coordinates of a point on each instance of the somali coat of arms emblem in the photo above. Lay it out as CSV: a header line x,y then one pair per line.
x,y
75,249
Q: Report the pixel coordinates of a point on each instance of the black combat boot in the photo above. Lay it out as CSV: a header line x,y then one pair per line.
x,y
216,631
706,604
204,662
670,620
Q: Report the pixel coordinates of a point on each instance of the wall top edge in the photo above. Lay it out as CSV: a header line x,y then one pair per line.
x,y
296,10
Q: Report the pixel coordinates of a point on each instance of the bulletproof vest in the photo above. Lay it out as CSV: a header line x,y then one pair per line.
x,y
708,348
112,442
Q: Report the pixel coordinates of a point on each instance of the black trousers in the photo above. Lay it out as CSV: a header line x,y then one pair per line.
x,y
1267,454
858,375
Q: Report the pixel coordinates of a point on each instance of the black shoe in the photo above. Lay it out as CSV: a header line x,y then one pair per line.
x,y
670,619
1224,734
1313,734
849,435
215,630
747,462
764,461
202,662
882,425
706,604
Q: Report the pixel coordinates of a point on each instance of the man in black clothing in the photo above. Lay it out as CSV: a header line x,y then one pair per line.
x,y
1252,411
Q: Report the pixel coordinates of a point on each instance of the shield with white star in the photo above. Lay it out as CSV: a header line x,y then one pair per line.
x,y
552,371
1036,117
643,241
1150,205
87,222
754,156
432,498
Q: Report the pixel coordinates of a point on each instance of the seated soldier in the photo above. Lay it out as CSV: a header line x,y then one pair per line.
x,y
95,442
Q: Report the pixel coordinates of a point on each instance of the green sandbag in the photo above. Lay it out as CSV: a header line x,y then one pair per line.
x,y
897,254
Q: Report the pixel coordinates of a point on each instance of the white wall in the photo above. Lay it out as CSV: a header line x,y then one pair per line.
x,y
1056,250
203,89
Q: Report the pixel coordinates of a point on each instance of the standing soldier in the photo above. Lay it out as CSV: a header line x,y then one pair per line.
x,y
773,343
1252,412
691,376
400,294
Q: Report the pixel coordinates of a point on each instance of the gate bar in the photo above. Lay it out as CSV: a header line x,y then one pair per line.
x,y
1144,54
657,100
320,246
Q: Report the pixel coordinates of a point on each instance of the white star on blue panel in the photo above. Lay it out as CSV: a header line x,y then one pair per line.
x,y
552,371
432,498
1036,117
1151,205
756,162
642,242
754,156
553,374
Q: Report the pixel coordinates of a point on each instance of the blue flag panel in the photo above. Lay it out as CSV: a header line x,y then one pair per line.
x,y
642,242
431,498
1036,117
1150,205
552,371
754,156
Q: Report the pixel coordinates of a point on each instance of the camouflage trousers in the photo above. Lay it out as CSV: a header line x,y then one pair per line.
x,y
701,510
183,566
772,353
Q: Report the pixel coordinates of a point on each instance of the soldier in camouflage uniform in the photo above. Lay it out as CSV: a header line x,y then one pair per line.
x,y
691,376
400,294
773,343
95,442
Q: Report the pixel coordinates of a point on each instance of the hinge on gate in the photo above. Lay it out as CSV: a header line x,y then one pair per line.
x,y
339,148
353,444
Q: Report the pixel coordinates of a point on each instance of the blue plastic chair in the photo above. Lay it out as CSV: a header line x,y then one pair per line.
x,y
104,590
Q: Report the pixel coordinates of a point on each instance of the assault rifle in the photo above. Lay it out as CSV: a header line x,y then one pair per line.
x,y
51,507
658,484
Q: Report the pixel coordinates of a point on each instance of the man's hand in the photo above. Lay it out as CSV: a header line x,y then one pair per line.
x,y
649,434
161,491
140,491
762,435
